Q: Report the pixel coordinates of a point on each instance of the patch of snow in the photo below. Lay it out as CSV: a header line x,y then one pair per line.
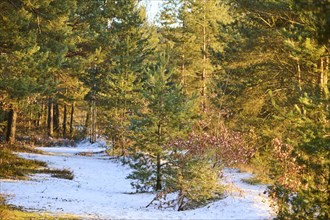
x,y
100,190
82,147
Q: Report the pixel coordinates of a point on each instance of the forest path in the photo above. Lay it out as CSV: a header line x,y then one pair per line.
x,y
100,190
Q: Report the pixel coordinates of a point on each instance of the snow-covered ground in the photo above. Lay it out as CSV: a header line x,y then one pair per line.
x,y
100,190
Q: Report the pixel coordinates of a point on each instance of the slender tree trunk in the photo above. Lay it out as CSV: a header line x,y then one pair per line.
x,y
204,61
95,123
11,126
56,119
323,77
183,72
41,115
50,119
122,145
93,128
183,68
325,81
326,70
91,124
158,165
88,122
64,120
299,76
38,122
71,118
158,174
30,119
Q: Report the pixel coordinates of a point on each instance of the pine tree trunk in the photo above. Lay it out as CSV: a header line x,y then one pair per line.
x,y
88,122
71,119
56,119
183,68
158,166
183,73
325,77
93,125
64,120
204,61
11,126
95,122
122,136
38,122
30,119
158,174
50,119
299,76
41,116
122,145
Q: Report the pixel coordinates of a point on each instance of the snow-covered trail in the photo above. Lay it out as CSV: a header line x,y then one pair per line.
x,y
100,190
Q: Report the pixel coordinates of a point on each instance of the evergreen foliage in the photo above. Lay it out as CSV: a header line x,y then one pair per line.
x,y
165,114
301,189
280,94
131,49
160,164
242,81
196,37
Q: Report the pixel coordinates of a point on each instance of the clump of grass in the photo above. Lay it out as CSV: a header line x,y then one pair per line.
x,y
8,212
259,175
22,147
4,214
86,154
58,173
14,167
253,181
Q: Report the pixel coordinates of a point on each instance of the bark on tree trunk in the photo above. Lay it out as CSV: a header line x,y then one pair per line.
x,y
122,145
30,119
50,120
64,120
88,122
56,119
158,174
41,115
71,119
299,76
121,135
11,126
183,68
91,124
93,128
204,61
38,122
325,77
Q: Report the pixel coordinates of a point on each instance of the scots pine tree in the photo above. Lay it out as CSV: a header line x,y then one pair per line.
x,y
130,40
165,114
276,87
20,56
92,32
200,22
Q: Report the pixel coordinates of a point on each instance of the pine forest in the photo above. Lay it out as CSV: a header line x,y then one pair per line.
x,y
208,86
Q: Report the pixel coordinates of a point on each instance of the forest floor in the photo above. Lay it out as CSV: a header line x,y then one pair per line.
x,y
100,190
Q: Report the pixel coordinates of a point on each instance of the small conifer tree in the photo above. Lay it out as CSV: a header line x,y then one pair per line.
x,y
159,164
165,113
